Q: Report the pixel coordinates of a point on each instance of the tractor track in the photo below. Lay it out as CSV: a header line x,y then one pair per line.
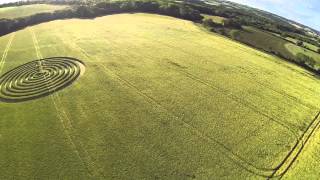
x,y
234,98
5,53
68,127
303,140
294,151
280,92
262,172
225,150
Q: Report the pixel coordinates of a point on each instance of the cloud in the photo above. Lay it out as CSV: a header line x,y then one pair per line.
x,y
8,1
303,11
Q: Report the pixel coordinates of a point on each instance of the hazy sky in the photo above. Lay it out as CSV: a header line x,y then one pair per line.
x,y
6,1
306,12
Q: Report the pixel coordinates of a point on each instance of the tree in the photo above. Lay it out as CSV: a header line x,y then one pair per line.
x,y
221,31
180,11
284,35
231,23
148,6
85,12
127,6
170,9
189,13
306,60
235,34
299,43
207,22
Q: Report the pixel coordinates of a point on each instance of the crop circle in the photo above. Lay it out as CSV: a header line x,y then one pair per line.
x,y
39,78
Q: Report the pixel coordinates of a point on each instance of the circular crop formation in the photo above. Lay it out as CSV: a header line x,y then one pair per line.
x,y
39,78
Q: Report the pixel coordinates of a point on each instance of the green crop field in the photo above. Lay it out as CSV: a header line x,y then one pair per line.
x,y
152,97
27,10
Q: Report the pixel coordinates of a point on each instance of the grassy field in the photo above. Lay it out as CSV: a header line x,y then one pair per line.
x,y
27,10
308,45
294,41
296,49
271,43
216,19
160,99
263,40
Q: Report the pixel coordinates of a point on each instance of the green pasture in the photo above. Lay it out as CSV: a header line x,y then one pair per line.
x,y
271,43
263,40
308,45
27,10
294,49
216,19
160,98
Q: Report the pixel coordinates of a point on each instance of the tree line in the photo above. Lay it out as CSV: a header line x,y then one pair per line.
x,y
82,10
249,17
184,10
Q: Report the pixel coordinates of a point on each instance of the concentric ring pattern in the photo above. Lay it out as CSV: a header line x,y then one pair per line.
x,y
39,78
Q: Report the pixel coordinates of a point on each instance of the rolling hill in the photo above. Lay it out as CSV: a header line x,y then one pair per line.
x,y
158,98
27,10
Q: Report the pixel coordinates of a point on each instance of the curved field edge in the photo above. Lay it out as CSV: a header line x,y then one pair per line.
x,y
204,87
184,11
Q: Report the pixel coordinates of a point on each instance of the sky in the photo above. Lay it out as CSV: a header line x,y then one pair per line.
x,y
6,1
306,12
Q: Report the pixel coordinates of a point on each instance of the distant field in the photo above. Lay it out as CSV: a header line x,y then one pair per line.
x,y
296,49
263,40
27,10
160,99
308,45
216,19
271,43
